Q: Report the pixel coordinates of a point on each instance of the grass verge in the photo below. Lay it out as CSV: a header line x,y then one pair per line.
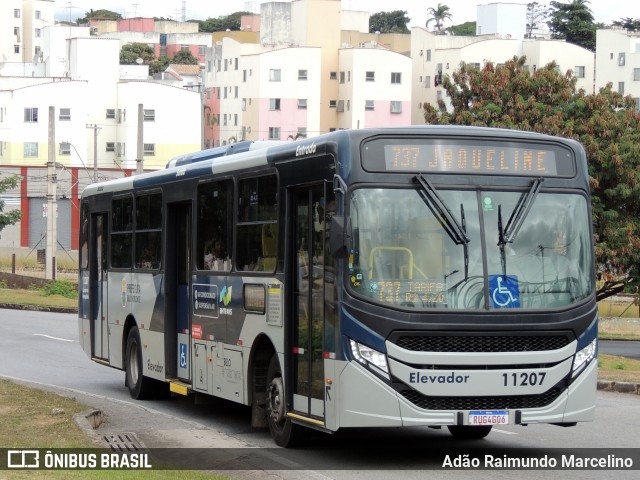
x,y
35,297
618,369
31,418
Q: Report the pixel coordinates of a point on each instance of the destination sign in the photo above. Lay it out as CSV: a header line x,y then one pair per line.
x,y
470,159
464,156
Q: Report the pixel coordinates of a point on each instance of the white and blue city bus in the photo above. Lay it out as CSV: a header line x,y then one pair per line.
x,y
418,276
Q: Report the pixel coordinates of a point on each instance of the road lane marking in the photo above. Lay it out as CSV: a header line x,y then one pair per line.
x,y
53,338
504,431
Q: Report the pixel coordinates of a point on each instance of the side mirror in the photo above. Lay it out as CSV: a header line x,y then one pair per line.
x,y
338,237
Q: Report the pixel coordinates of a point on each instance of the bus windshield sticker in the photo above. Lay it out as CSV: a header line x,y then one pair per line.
x,y
504,291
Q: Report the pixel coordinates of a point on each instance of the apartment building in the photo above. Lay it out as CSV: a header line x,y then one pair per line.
x,y
618,61
21,28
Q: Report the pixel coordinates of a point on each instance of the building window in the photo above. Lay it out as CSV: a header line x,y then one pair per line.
x,y
302,103
244,104
37,50
370,77
16,49
396,106
274,133
428,55
235,119
65,148
202,50
235,63
274,75
111,113
38,15
235,92
149,149
621,59
333,103
31,115
38,33
636,74
274,104
16,13
342,77
65,114
111,147
16,32
621,88
30,149
121,150
302,74
579,71
333,75
184,47
368,105
149,115
302,132
396,77
427,81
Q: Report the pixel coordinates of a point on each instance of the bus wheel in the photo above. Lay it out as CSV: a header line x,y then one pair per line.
x,y
140,387
283,431
466,432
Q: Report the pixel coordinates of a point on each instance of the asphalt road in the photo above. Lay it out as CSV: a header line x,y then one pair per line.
x,y
41,349
621,348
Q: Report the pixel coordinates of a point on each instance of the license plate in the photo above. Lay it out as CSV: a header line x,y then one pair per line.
x,y
489,417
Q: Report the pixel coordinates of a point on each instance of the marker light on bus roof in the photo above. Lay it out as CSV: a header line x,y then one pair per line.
x,y
583,357
369,357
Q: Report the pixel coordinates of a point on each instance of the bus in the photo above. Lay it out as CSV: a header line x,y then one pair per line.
x,y
437,276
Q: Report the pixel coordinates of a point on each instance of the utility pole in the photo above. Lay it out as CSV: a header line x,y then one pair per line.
x,y
52,240
140,152
96,128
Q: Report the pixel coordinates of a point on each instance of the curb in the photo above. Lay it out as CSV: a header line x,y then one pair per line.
x,y
620,387
38,308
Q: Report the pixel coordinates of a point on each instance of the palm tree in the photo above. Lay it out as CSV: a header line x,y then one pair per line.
x,y
438,15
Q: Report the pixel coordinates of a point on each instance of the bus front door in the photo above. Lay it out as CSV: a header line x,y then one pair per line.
x,y
98,293
308,308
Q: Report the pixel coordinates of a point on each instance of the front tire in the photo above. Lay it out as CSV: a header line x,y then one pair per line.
x,y
283,431
466,432
140,387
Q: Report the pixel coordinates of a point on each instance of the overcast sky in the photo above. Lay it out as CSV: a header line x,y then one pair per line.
x,y
462,10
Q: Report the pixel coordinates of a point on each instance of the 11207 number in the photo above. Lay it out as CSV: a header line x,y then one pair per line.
x,y
523,379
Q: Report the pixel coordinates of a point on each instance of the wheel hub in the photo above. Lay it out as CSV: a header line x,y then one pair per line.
x,y
275,403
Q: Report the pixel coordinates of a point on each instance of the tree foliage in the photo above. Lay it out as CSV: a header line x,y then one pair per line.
x,y
537,14
131,52
466,29
13,216
389,22
438,15
573,22
627,23
607,124
223,23
184,57
98,15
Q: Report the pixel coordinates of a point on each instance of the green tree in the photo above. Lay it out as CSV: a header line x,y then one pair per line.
x,y
438,15
159,65
389,22
184,57
537,14
131,52
607,124
466,29
13,216
222,24
627,23
573,22
98,15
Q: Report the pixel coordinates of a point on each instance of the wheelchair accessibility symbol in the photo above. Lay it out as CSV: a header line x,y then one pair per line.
x,y
504,291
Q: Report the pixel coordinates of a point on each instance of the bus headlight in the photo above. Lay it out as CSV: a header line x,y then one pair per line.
x,y
369,357
583,357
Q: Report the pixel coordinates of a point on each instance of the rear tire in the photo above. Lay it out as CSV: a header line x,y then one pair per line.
x,y
140,387
284,432
466,432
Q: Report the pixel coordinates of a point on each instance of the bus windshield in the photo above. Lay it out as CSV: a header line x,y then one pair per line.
x,y
406,252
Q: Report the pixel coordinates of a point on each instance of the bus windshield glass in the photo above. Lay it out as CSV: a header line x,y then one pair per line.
x,y
442,250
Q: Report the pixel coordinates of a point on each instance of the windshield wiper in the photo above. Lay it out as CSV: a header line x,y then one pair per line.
x,y
517,218
456,231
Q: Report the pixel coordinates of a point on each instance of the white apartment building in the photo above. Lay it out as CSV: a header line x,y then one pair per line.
x,y
22,23
435,56
618,61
